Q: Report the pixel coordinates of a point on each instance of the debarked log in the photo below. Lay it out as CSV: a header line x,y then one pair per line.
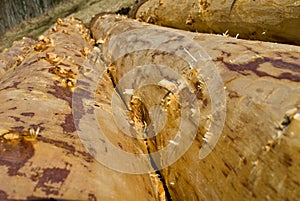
x,y
41,155
276,21
255,153
15,54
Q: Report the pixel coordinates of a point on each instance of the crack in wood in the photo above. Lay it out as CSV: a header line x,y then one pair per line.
x,y
160,176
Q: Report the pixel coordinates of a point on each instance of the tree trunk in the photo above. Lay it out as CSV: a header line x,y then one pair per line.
x,y
41,155
266,20
257,152
55,99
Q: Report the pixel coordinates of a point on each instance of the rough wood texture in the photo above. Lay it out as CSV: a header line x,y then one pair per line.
x,y
266,20
41,155
257,156
15,54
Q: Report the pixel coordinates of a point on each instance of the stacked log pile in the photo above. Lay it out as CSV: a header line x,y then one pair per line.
x,y
255,157
257,154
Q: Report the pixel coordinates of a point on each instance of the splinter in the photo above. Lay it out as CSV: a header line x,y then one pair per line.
x,y
138,112
232,5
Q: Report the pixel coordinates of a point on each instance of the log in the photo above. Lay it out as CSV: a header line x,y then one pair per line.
x,y
41,155
258,20
15,54
48,113
253,155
